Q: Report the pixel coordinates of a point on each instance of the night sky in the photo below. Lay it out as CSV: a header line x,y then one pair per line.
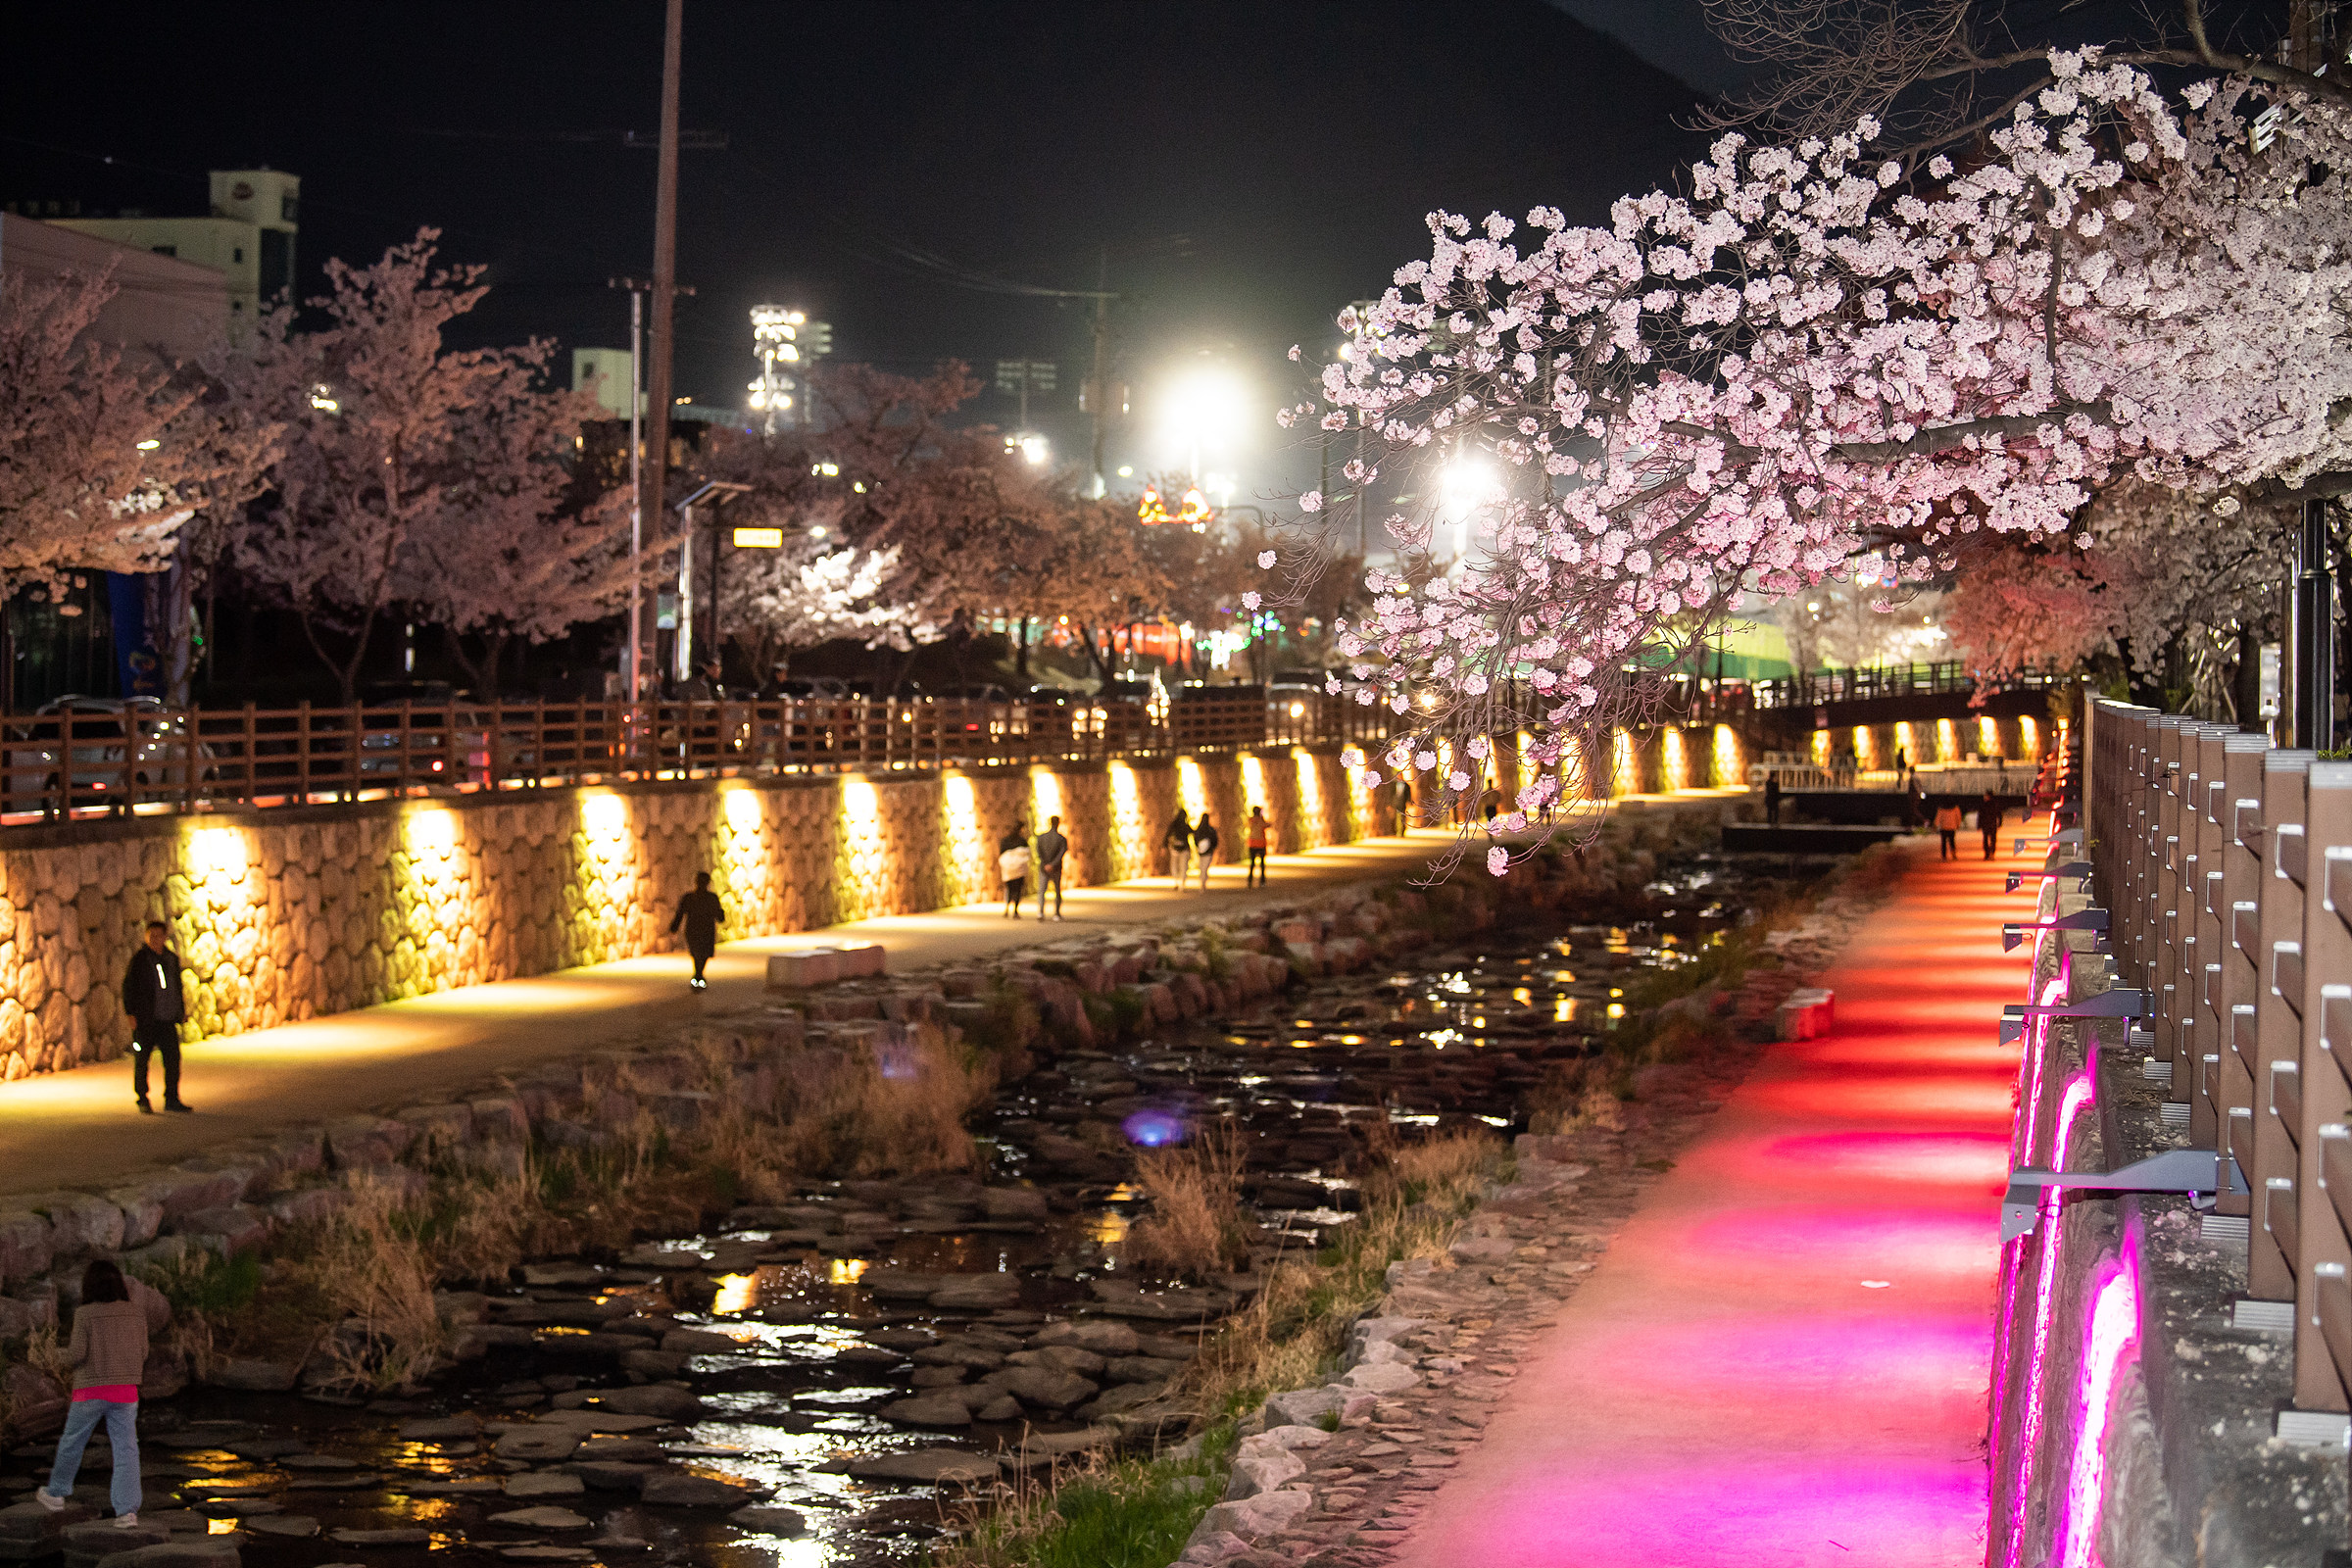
x,y
1248,167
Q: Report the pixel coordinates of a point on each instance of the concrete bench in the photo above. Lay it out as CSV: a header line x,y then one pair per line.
x,y
824,964
1807,1014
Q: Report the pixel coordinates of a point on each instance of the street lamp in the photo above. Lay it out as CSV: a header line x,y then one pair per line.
x,y
1203,408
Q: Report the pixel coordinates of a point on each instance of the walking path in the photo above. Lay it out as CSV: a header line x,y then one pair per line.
x,y
1785,1358
80,1128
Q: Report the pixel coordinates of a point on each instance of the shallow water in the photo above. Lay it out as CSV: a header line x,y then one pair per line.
x,y
1460,1034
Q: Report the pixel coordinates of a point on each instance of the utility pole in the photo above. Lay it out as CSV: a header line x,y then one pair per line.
x,y
666,269
632,657
2314,635
1102,381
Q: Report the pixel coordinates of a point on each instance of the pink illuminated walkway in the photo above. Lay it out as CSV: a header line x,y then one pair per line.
x,y
1785,1358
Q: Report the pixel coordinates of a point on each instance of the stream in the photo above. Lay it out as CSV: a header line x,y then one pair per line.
x,y
832,1347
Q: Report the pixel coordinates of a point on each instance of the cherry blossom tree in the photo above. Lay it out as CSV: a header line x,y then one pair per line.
x,y
376,409
504,554
1819,350
101,461
813,590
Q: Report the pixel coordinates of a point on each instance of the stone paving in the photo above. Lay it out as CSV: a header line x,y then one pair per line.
x,y
1527,1334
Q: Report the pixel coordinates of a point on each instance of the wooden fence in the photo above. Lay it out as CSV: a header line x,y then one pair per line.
x,y
2229,865
118,757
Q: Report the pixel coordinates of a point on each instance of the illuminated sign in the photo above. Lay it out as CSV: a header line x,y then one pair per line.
x,y
1193,511
759,538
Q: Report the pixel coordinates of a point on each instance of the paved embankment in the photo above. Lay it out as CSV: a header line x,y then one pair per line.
x,y
1783,1359
80,1128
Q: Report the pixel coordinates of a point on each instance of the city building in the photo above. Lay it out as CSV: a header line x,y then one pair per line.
x,y
248,236
162,305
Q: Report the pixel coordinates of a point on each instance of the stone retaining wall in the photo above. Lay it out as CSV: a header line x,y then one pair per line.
x,y
294,914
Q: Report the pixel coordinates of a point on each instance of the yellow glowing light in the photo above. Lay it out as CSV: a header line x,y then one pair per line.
x,y
1563,1009
1616,1009
860,805
1671,761
1625,773
1904,743
2028,736
737,1292
1821,748
1988,737
434,832
744,809
759,538
1522,996
1254,782
1045,794
1730,762
219,1527
1948,743
1311,834
605,816
219,852
1190,793
1866,747
845,1271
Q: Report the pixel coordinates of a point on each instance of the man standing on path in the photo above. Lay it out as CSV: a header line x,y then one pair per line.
x,y
1989,822
1052,847
152,997
1255,874
1772,799
1204,845
702,914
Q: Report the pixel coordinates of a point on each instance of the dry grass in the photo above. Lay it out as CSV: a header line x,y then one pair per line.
x,y
898,1111
1292,1331
1195,1225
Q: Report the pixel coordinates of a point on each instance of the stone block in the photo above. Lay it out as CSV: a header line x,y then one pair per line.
x,y
309,1205
254,1374
186,1189
1806,1014
27,1246
142,1213
78,1223
354,1141
503,1120
440,1126
241,1226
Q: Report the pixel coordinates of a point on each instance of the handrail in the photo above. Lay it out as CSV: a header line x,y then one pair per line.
x,y
83,762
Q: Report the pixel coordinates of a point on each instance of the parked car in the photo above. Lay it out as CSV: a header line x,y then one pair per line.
x,y
113,752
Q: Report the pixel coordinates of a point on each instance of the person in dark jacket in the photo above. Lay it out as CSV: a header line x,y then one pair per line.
x,y
1988,822
151,996
1772,799
1052,847
1179,840
702,914
1204,847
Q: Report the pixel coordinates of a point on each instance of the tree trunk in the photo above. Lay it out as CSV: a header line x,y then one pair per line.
x,y
2246,685
1020,651
1100,658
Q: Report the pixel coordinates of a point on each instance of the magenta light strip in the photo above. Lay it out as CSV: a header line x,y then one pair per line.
x,y
2076,1095
2114,1331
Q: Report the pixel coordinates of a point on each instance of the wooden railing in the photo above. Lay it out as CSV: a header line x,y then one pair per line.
x,y
98,761
2229,865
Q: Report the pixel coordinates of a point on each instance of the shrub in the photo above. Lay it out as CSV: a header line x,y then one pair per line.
x,y
1194,1224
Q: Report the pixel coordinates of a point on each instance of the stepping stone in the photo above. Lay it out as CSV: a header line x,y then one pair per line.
x,y
544,1484
553,1274
439,1430
239,1507
445,1489
933,1465
317,1461
405,1537
675,1491
546,1518
547,1554
611,1475
202,1551
976,1293
538,1444
605,1421
655,1399
929,1411
296,1525
771,1521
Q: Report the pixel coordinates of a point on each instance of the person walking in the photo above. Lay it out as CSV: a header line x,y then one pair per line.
x,y
1902,764
702,914
1204,847
1988,822
1180,847
152,997
1012,864
1491,802
1772,799
1405,809
1052,849
108,1353
1255,874
1947,826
